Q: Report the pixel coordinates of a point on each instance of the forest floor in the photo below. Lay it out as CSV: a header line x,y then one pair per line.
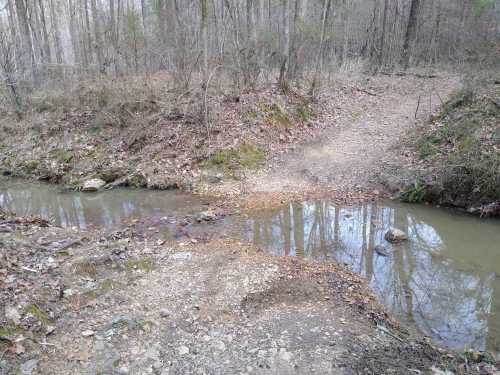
x,y
132,303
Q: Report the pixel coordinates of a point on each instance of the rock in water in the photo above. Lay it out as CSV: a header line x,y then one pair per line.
x,y
93,185
395,235
380,250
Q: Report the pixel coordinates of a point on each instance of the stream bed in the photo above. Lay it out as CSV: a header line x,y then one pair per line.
x,y
445,280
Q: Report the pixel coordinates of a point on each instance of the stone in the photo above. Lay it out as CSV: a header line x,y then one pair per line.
x,y
381,250
437,371
12,314
220,346
88,333
94,184
183,255
68,293
28,367
183,350
212,177
164,313
285,355
207,216
6,229
394,235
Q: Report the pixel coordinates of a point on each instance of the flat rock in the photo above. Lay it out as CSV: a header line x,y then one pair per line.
x,y
93,185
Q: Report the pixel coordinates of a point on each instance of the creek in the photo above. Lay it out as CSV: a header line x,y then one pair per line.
x,y
445,279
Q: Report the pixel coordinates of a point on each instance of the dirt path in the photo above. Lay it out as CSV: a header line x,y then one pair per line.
x,y
350,155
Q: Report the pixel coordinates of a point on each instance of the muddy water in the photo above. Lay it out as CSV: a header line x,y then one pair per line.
x,y
108,210
445,279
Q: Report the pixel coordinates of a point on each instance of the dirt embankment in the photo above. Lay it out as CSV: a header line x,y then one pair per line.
x,y
125,303
454,159
143,135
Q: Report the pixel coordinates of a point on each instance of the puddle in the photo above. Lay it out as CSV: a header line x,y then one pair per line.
x,y
445,279
106,210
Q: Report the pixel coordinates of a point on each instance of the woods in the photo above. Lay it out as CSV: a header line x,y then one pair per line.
x,y
47,41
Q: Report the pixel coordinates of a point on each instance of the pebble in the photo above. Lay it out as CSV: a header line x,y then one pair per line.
x,y
28,367
164,313
220,346
285,355
183,350
182,256
68,293
88,333
12,314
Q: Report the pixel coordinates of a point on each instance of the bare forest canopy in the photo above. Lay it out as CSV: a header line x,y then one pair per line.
x,y
48,41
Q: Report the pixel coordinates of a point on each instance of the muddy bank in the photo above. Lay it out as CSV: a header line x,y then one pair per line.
x,y
124,303
454,159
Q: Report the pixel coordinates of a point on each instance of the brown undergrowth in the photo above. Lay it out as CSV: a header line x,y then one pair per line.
x,y
456,156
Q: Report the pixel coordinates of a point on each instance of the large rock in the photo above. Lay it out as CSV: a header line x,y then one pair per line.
x,y
93,185
205,216
395,235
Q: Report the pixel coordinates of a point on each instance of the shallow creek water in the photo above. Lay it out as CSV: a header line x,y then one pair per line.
x,y
445,280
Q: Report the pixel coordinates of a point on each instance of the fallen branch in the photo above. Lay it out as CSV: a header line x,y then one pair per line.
x,y
418,106
404,74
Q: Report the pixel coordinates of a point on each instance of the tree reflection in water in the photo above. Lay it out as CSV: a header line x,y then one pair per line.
x,y
108,210
442,279
445,279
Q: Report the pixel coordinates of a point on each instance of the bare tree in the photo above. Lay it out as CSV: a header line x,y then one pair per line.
x,y
97,35
27,43
319,58
411,32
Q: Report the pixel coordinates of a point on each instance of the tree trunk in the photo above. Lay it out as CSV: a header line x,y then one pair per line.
x,y
297,21
36,34
27,43
410,34
13,32
97,35
382,37
46,39
56,32
251,55
144,15
285,59
86,42
204,39
73,32
435,38
319,58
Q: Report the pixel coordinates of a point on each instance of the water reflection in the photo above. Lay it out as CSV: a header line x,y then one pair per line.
x,y
108,210
445,279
